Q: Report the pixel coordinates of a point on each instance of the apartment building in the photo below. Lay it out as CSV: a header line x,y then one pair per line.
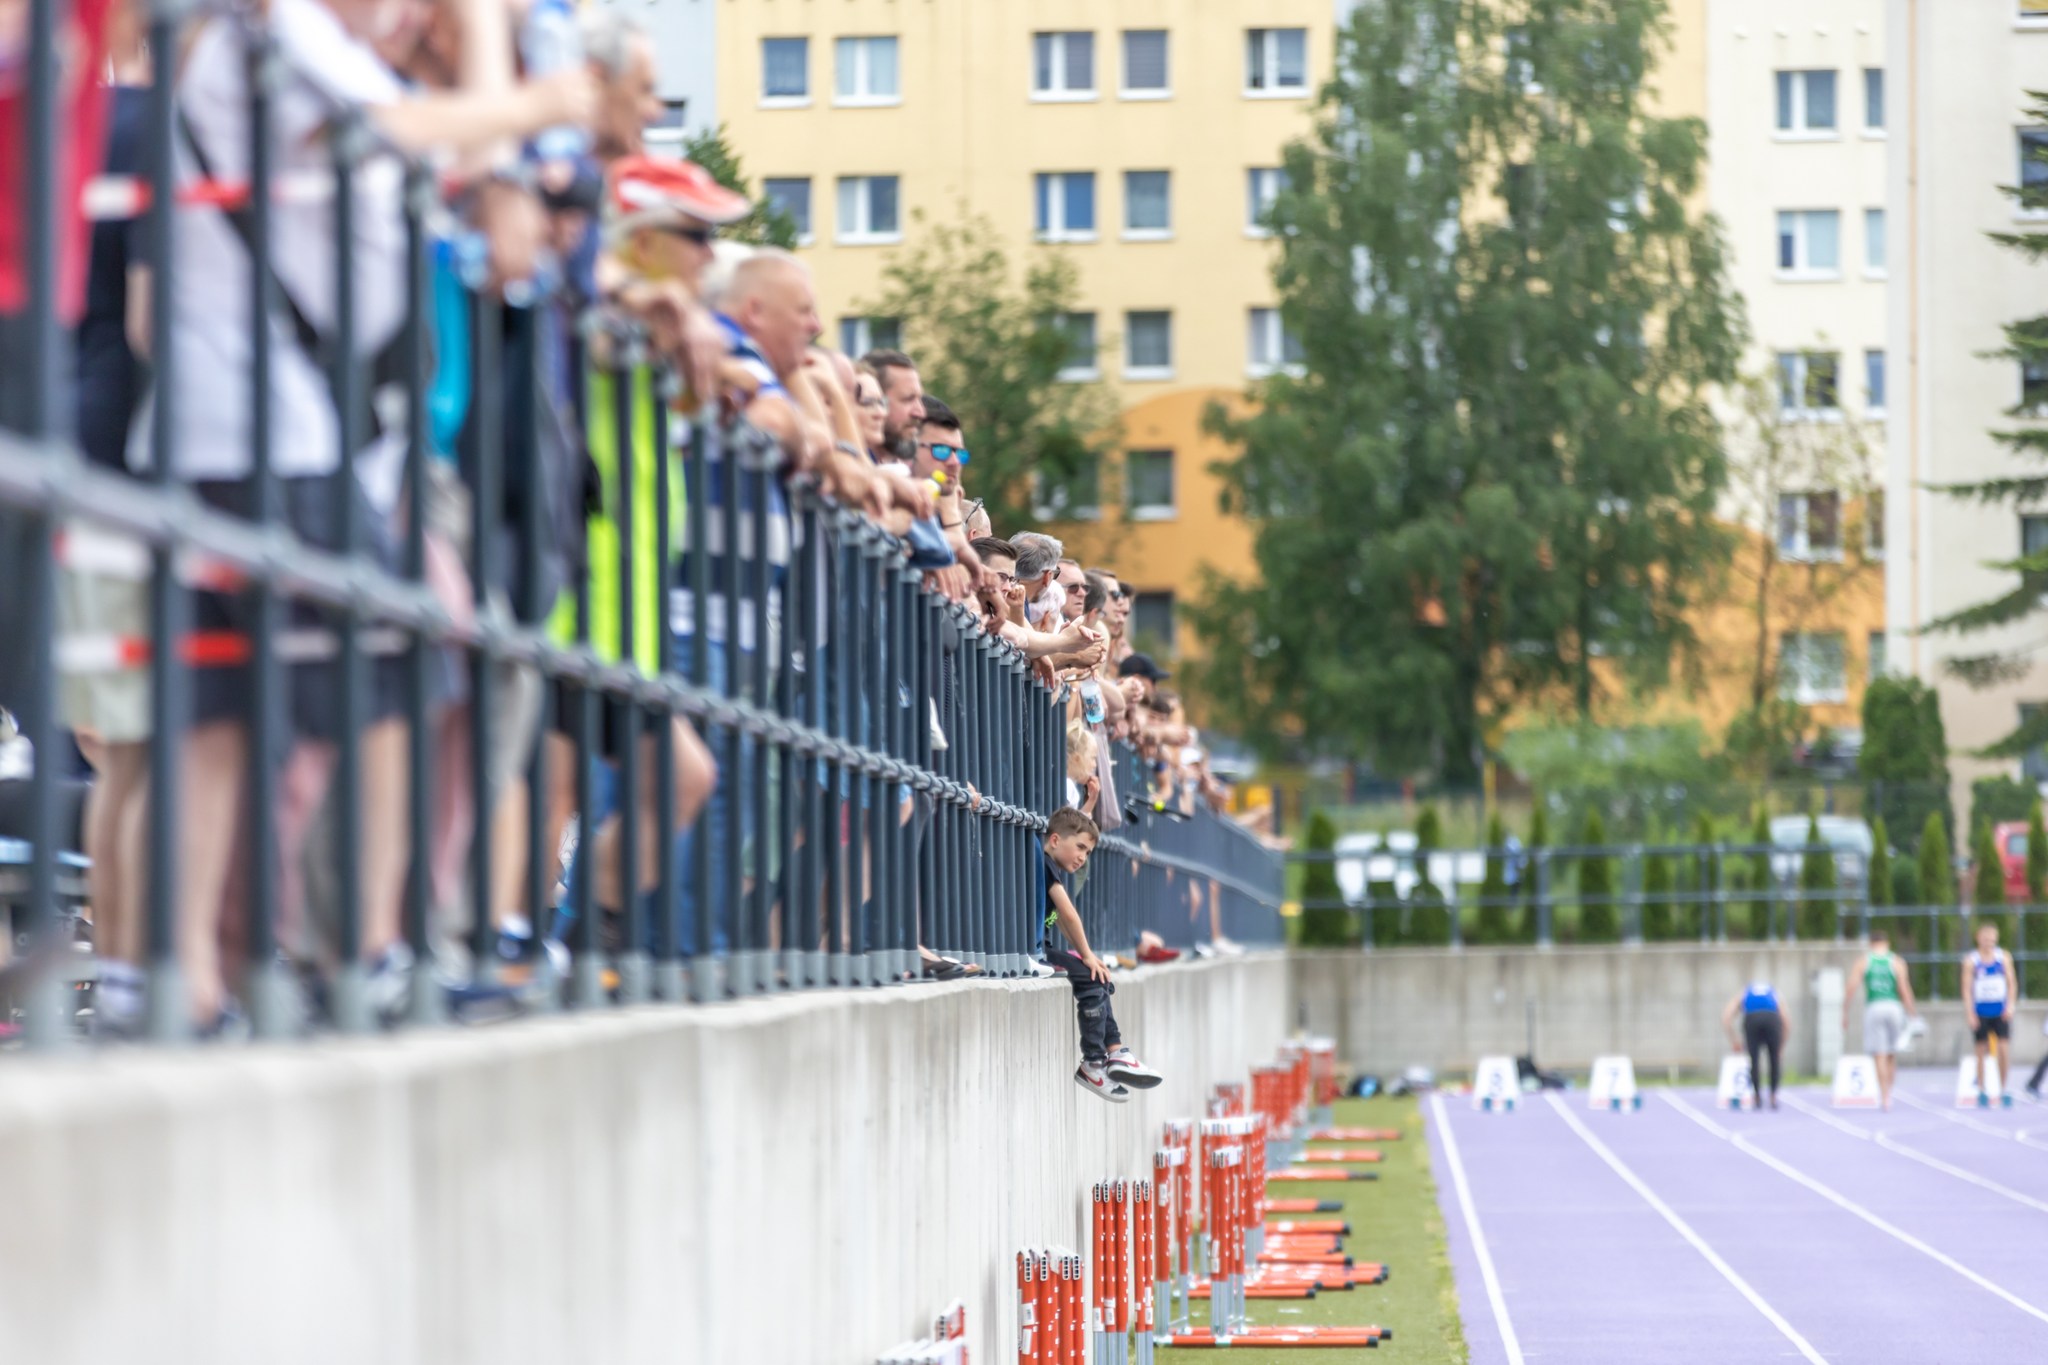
x,y
1960,132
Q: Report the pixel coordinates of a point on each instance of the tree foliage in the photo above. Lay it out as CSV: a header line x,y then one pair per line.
x,y
1493,891
991,346
2000,799
1817,880
1879,884
2010,613
1758,877
1599,917
765,224
2037,856
1325,925
1904,763
1429,911
1937,872
1660,918
1987,884
1495,465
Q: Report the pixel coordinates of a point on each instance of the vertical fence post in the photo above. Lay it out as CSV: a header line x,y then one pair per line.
x,y
426,1004
756,664
1544,927
668,967
484,477
697,932
628,374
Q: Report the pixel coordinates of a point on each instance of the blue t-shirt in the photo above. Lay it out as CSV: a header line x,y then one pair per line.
x,y
1759,996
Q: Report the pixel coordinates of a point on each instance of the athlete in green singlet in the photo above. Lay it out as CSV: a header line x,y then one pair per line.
x,y
1887,1000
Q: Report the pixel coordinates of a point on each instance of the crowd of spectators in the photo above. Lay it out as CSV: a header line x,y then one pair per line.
x,y
602,265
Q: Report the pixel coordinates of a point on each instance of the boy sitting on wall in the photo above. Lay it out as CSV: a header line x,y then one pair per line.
x,y
1107,1066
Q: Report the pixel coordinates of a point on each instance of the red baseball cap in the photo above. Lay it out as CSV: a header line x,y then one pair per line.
x,y
648,190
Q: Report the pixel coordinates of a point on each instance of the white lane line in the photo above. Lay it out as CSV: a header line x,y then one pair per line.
x,y
1886,1141
1685,1230
1842,1201
1508,1340
2018,1135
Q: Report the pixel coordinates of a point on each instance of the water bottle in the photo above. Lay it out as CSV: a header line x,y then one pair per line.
x,y
1091,701
550,42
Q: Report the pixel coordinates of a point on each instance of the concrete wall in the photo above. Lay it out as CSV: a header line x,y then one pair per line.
x,y
1659,1003
798,1179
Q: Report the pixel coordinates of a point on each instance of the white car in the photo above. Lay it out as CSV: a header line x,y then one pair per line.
x,y
1361,859
1849,837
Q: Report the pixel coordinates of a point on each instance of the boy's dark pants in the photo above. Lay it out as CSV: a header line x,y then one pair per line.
x,y
1091,1003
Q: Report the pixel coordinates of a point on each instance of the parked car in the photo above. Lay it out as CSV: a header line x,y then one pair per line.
x,y
1849,837
2011,838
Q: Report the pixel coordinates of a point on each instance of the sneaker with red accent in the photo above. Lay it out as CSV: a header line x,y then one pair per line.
x,y
1157,952
1123,1065
1091,1077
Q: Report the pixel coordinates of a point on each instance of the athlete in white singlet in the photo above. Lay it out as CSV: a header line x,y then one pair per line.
x,y
1990,986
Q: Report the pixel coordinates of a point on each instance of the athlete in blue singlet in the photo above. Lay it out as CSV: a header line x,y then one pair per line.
x,y
1989,986
1764,1031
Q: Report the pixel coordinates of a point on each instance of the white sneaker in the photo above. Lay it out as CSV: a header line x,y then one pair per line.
x,y
1123,1065
1040,967
1095,1080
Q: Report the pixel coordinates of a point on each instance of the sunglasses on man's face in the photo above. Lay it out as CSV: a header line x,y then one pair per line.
x,y
698,236
943,452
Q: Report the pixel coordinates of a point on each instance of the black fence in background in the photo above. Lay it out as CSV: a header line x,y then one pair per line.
x,y
884,767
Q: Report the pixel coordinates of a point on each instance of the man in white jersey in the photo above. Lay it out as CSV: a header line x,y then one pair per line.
x,y
1989,987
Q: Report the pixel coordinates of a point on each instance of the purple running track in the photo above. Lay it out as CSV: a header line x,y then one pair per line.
x,y
1908,1262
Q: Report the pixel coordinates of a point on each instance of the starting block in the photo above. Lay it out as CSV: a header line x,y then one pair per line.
x,y
1968,1096
1613,1085
1856,1083
1734,1090
1496,1085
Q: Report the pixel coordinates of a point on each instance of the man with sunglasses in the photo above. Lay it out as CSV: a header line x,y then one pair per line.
x,y
942,450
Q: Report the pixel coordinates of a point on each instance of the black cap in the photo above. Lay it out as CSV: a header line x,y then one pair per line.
x,y
1141,666
584,189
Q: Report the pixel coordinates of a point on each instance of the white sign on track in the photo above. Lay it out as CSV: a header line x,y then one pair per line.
x,y
1613,1084
1495,1085
1856,1082
1734,1090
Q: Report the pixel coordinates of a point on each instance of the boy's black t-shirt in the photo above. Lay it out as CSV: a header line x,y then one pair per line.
x,y
1049,876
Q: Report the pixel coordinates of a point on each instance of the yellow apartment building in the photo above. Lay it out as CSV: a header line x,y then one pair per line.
x,y
1136,138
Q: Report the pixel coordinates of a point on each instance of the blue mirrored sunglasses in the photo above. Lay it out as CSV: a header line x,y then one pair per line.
x,y
946,452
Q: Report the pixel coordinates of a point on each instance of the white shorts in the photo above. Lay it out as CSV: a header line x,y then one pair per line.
x,y
1883,1023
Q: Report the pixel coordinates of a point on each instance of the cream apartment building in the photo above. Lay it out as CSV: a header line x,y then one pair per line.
x,y
1959,132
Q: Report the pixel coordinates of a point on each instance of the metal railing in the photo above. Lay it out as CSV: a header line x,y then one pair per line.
x,y
884,767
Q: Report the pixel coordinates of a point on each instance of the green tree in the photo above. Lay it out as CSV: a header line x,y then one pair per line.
x,y
1904,762
1703,880
1987,886
1429,914
1384,912
1539,840
1879,883
1659,916
1599,916
2019,600
991,347
1817,879
2000,799
765,224
2037,856
1493,891
1937,874
1326,925
1760,879
1496,460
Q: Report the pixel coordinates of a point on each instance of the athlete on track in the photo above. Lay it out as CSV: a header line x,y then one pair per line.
x,y
1988,987
1764,1030
1887,1001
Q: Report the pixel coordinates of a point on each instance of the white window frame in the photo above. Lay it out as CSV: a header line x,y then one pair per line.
x,y
862,97
1153,511
802,101
1143,373
1801,688
1884,98
2019,142
1265,330
1046,509
1124,89
2036,21
859,328
807,231
1876,410
1800,131
1138,234
1056,206
1060,92
1800,272
1172,640
1801,413
846,234
1256,203
2039,409
1880,269
1092,371
1801,550
1269,63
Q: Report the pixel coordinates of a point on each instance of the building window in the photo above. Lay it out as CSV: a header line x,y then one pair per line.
x,y
1873,382
2033,11
1148,205
1880,656
868,209
866,72
1065,207
1873,525
1873,243
1262,185
1810,526
1148,485
1809,383
793,197
2034,384
1146,74
1148,345
2034,762
785,70
858,336
2033,534
1806,103
1812,667
1151,624
1873,99
1272,345
1062,66
2033,147
1810,243
1276,61
1076,499
1081,349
